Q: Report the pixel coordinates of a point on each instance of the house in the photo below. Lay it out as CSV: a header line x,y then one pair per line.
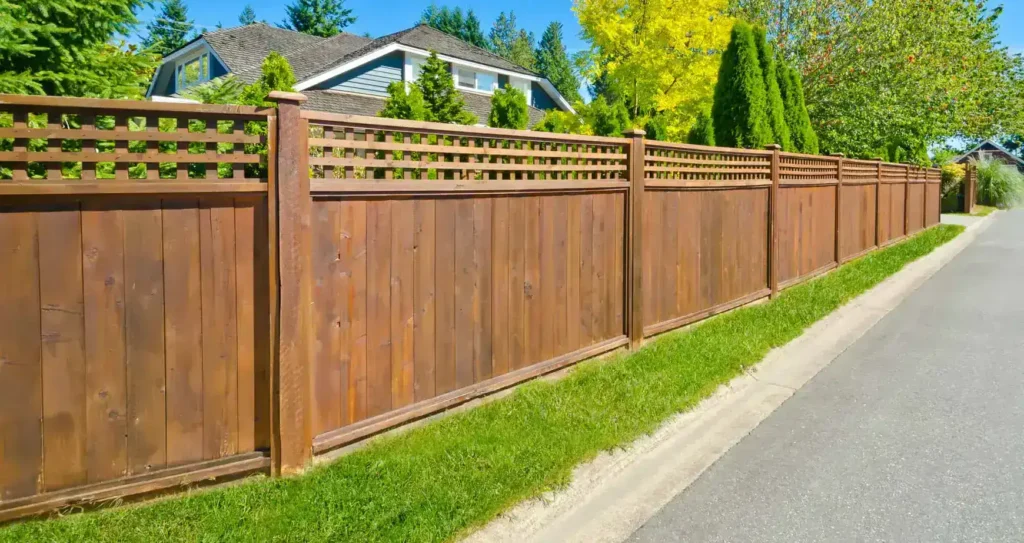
x,y
350,74
993,151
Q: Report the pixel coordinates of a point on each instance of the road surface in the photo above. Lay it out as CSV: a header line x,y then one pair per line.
x,y
915,433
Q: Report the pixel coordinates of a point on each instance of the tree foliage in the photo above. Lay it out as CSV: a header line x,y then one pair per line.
x,y
776,107
883,71
606,119
223,90
703,131
511,43
405,104
170,30
740,110
324,18
554,64
248,15
68,47
508,109
452,21
804,140
658,55
276,74
563,122
1000,185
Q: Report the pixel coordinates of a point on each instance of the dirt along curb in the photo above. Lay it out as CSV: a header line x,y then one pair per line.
x,y
612,496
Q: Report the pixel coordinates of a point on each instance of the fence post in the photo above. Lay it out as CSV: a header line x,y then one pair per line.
x,y
292,423
839,199
773,213
634,239
906,202
878,204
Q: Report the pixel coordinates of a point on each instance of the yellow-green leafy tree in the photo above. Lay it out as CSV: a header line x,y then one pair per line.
x,y
661,55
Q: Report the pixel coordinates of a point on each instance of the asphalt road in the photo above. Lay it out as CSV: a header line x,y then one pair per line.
x,y
915,433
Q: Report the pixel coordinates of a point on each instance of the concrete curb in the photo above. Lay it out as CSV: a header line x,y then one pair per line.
x,y
612,496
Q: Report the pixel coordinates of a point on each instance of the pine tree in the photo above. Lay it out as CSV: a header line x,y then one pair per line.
x,y
703,131
792,91
451,21
171,28
521,51
607,119
776,108
740,110
275,74
402,104
324,18
68,48
553,63
248,15
444,102
508,109
503,34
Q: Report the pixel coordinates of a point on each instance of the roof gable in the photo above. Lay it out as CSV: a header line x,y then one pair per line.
x,y
989,145
246,46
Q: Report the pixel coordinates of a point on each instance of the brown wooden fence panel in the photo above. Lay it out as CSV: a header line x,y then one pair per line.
x,y
857,212
705,212
133,329
450,259
933,197
807,216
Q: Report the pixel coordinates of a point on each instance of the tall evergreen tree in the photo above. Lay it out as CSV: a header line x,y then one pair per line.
x,y
451,21
553,63
799,122
324,18
444,102
404,104
776,108
508,109
248,15
171,28
521,51
511,43
703,131
67,47
740,110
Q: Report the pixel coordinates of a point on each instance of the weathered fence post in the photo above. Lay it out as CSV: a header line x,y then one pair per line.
x,y
634,239
878,205
839,199
773,213
906,201
292,423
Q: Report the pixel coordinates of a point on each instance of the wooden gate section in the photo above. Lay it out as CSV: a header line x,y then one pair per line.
x,y
449,261
133,299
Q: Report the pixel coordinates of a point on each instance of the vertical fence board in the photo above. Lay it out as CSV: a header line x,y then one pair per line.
x,y
63,343
355,221
246,322
144,338
326,375
444,342
466,303
378,307
586,271
572,270
402,302
518,349
500,287
103,280
20,351
424,305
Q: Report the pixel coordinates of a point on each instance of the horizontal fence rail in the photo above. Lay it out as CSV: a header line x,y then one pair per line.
x,y
195,291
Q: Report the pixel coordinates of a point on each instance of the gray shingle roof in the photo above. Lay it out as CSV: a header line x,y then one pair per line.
x,y
429,39
360,104
246,46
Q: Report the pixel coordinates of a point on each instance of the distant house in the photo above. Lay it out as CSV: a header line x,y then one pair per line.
x,y
989,149
348,73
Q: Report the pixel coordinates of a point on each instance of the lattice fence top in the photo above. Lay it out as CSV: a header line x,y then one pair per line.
x,y
668,161
894,173
352,148
54,139
859,171
808,170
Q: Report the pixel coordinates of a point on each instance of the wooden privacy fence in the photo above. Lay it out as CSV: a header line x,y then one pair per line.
x,y
177,307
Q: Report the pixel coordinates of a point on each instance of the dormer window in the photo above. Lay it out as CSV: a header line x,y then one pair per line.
x,y
479,81
193,72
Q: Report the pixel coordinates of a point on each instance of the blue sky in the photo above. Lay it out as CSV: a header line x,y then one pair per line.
x,y
379,17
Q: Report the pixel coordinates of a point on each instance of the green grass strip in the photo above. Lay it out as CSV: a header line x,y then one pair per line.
x,y
435,482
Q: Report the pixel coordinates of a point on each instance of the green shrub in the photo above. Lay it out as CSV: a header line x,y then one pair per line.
x,y
562,122
952,178
607,119
1000,185
401,104
508,109
703,131
740,110
656,128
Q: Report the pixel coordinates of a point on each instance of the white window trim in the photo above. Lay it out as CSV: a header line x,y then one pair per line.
x,y
188,50
179,68
342,68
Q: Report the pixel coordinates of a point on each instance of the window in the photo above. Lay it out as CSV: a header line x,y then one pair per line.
x,y
480,81
194,71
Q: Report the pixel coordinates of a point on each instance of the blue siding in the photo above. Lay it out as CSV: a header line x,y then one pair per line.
x,y
370,78
541,100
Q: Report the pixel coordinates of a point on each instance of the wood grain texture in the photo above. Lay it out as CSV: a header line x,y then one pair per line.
x,y
806,230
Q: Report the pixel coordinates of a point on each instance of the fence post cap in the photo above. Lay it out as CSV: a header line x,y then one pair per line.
x,y
773,147
635,133
285,96
837,155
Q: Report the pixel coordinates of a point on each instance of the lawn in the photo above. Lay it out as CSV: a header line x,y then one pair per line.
x,y
979,211
436,482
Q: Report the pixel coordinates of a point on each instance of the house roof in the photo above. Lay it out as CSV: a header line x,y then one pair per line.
x,y
333,101
995,146
246,46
